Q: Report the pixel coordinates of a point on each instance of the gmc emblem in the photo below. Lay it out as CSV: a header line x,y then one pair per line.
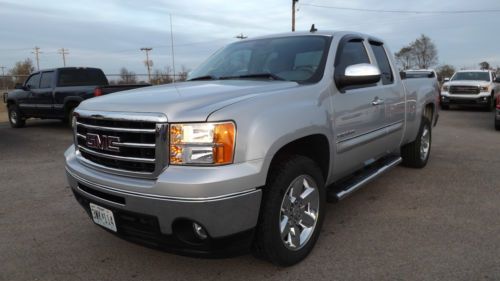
x,y
102,142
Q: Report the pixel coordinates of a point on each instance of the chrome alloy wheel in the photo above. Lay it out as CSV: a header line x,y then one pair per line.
x,y
299,212
13,117
425,143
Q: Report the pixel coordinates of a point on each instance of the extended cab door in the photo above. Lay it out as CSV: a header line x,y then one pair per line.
x,y
43,97
360,121
26,103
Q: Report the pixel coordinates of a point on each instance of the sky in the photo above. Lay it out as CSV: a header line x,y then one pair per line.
x,y
109,33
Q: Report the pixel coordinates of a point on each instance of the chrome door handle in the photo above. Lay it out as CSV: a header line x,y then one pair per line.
x,y
378,101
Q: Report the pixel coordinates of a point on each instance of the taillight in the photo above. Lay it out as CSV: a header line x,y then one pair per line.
x,y
498,102
97,92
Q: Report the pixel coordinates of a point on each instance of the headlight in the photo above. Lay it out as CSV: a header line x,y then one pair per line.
x,y
484,88
445,88
202,143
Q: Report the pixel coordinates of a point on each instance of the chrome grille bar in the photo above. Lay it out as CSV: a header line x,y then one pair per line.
x,y
115,157
113,129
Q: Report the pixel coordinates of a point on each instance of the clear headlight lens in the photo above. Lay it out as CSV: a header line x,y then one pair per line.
x,y
484,88
446,88
202,143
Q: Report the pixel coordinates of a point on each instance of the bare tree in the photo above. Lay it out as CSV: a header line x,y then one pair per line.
x,y
421,53
445,71
21,70
161,77
127,77
484,65
425,52
405,58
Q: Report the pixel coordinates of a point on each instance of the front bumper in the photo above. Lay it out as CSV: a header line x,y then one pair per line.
x,y
479,99
147,211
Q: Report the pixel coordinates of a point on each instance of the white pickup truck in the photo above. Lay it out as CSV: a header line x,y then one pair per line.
x,y
471,87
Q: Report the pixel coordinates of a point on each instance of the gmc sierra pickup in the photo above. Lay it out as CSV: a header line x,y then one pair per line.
x,y
246,153
471,87
55,93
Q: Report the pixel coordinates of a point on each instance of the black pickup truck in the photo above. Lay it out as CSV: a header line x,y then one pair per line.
x,y
55,93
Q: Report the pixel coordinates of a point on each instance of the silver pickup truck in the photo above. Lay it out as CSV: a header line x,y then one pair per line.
x,y
245,155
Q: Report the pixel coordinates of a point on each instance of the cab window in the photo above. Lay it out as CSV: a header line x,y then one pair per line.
x,y
34,81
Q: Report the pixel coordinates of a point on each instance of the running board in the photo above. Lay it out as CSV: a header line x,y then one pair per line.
x,y
346,187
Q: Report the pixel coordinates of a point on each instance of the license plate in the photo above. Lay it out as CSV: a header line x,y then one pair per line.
x,y
103,217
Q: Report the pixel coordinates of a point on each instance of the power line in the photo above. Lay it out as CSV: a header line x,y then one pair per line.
x,y
63,52
403,11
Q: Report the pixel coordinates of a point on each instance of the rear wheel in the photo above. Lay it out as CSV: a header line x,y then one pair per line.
x,y
16,118
292,212
416,153
68,120
497,124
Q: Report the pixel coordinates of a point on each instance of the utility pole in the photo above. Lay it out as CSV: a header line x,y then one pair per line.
x,y
37,52
172,41
241,36
293,14
148,62
64,52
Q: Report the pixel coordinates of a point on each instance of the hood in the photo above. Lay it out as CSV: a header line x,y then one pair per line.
x,y
186,101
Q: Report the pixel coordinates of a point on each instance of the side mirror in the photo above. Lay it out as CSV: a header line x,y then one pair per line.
x,y
359,74
18,86
446,79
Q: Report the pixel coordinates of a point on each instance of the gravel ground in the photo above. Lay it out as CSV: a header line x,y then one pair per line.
x,y
437,223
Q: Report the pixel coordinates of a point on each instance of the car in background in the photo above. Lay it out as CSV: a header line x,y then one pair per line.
x,y
471,87
55,93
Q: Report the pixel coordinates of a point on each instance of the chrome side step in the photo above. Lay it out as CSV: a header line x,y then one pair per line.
x,y
345,188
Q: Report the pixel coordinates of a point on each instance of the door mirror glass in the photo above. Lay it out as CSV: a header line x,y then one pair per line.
x,y
360,74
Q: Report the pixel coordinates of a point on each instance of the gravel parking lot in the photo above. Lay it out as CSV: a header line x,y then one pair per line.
x,y
438,223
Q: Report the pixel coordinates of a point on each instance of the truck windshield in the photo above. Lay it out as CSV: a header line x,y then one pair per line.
x,y
296,58
81,77
475,76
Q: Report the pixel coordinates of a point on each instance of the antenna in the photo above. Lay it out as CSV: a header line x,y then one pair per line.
x,y
313,28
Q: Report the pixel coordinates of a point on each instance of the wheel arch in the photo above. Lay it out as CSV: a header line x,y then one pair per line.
x,y
314,146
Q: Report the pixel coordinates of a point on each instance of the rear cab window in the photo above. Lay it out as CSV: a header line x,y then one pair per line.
x,y
46,80
382,62
81,77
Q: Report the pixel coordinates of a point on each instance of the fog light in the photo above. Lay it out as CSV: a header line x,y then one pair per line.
x,y
199,231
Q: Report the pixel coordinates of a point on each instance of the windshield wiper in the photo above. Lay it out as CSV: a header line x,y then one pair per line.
x,y
256,75
205,77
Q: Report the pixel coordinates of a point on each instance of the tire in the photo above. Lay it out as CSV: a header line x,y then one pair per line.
x,y
445,106
490,104
16,118
278,208
497,124
416,153
68,120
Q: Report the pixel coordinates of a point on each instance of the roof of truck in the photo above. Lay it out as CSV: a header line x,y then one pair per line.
x,y
328,33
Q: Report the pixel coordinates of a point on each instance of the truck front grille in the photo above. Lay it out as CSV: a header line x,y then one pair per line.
x,y
115,144
464,90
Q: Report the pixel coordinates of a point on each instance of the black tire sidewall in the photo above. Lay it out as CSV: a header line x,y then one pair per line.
x,y
19,119
270,213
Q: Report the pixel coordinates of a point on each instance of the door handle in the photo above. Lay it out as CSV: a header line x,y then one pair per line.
x,y
377,101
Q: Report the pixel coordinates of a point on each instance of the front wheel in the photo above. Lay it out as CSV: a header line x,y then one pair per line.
x,y
292,212
416,153
16,119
